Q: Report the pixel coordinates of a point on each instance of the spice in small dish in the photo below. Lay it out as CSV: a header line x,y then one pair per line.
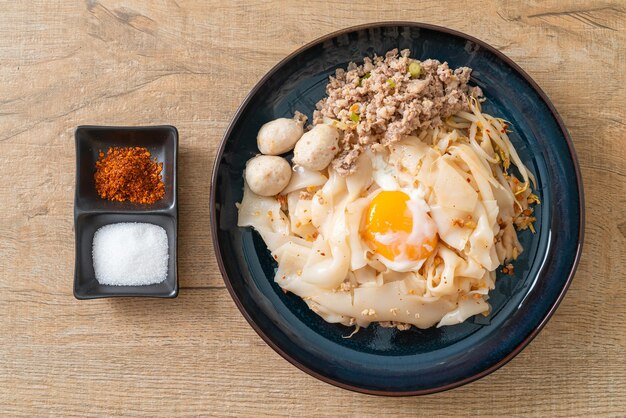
x,y
129,174
130,254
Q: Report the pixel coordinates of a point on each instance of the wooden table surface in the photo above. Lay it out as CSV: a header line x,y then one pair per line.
x,y
190,64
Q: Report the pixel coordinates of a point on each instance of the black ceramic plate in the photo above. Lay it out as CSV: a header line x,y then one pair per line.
x,y
382,360
91,212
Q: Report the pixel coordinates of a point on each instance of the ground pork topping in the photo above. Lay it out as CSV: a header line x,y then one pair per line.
x,y
389,97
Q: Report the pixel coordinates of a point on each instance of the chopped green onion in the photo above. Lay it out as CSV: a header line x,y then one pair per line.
x,y
391,83
354,117
365,77
415,69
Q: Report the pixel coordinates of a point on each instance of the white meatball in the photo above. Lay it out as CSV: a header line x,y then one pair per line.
x,y
317,148
267,175
280,135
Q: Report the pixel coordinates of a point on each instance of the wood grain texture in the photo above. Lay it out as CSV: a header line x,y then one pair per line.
x,y
190,63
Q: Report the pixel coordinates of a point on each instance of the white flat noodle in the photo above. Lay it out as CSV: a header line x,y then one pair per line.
x,y
462,184
482,176
415,283
501,252
452,189
401,265
382,172
294,284
292,202
262,213
426,173
320,210
330,270
504,196
291,257
335,187
320,251
323,202
329,204
274,240
445,141
389,302
508,243
300,215
406,180
466,308
394,276
303,178
361,179
328,273
365,275
493,256
471,269
303,211
486,283
450,232
490,279
482,248
358,249
306,231
491,209
446,283
408,153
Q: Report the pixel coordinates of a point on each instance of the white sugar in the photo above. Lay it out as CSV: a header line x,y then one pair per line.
x,y
130,254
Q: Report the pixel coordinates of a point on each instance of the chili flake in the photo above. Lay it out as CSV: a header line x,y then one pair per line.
x,y
129,174
508,269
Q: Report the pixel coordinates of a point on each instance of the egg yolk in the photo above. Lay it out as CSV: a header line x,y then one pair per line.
x,y
388,224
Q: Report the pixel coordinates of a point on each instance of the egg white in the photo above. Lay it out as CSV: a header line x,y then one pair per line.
x,y
386,177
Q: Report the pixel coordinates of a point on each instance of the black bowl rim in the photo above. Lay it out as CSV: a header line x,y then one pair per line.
x,y
173,212
556,116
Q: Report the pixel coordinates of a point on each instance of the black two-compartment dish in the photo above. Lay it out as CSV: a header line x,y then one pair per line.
x,y
92,212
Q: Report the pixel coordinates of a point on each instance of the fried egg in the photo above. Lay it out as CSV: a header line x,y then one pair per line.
x,y
396,225
397,228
